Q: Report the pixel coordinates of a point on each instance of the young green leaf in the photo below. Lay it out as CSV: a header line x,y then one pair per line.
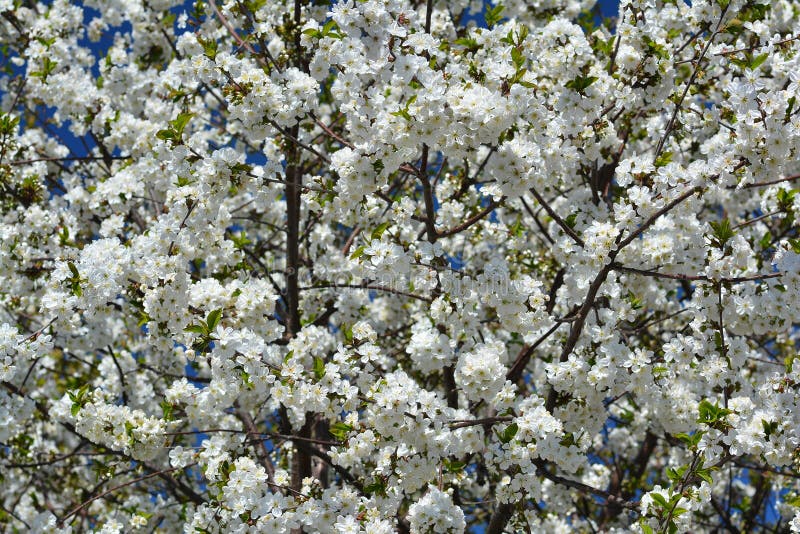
x,y
213,319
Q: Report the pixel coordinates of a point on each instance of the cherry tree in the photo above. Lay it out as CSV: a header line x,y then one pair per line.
x,y
399,266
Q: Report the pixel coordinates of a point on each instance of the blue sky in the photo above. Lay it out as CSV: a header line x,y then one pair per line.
x,y
609,7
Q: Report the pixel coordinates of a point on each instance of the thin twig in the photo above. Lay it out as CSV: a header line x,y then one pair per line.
x,y
671,122
553,215
472,220
695,278
115,488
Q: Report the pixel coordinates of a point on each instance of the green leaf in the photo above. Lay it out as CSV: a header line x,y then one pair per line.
x,y
454,466
240,240
705,474
568,440
213,319
377,487
246,378
793,501
663,159
357,253
785,199
402,113
347,330
691,440
749,62
789,108
469,43
180,122
493,15
635,302
508,434
517,57
241,168
672,474
166,135
655,49
199,329
319,367
143,319
8,124
378,232
46,42
78,398
48,66
75,281
581,83
757,61
166,410
770,427
723,232
606,48
340,430
329,27
712,415
209,48
659,499
182,181
766,241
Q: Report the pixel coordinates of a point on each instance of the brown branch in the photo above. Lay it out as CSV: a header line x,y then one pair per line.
x,y
67,158
368,285
333,135
299,185
553,215
536,220
751,48
653,218
122,384
765,184
350,240
262,453
427,192
577,327
472,220
475,422
584,488
232,31
501,515
696,278
671,122
428,15
524,356
191,205
503,512
118,487
754,220
292,135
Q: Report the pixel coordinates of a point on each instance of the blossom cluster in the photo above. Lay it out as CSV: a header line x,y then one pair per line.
x,y
393,265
